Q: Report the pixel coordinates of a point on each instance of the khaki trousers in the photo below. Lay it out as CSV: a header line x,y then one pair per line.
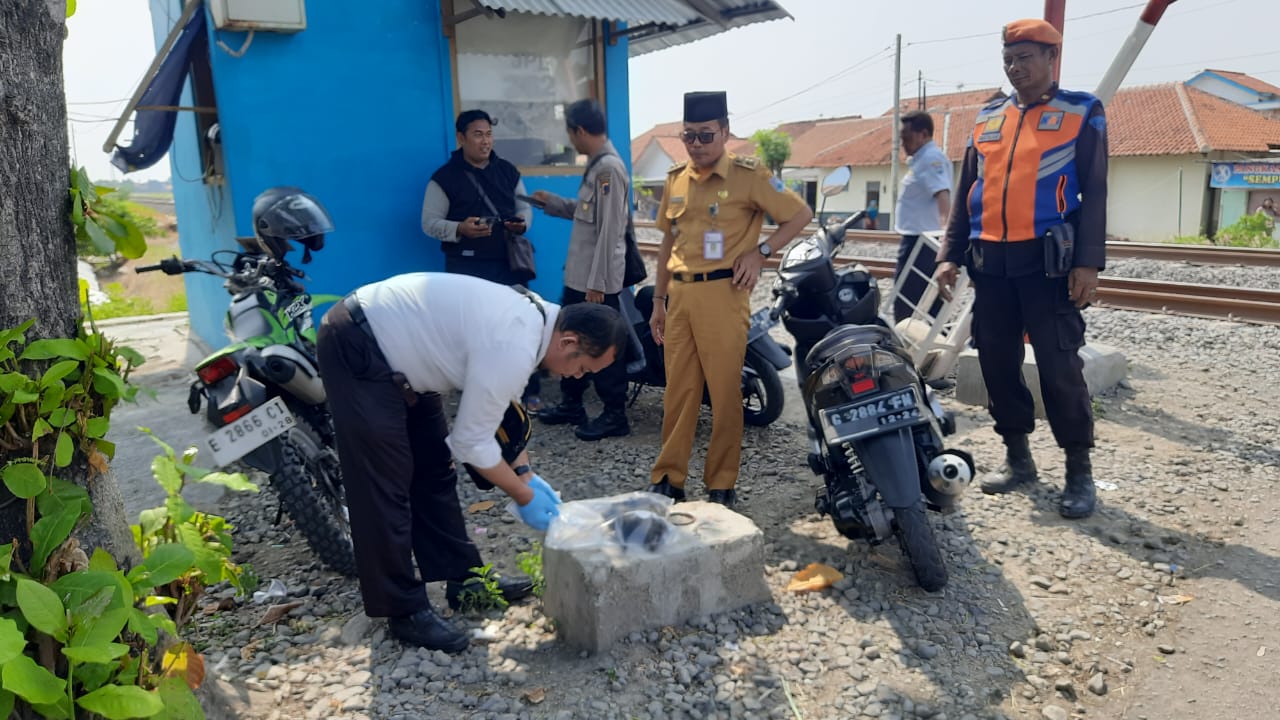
x,y
705,342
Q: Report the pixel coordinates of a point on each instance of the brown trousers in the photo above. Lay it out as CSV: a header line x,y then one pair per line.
x,y
705,342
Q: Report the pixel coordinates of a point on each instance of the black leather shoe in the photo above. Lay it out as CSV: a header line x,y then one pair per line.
x,y
1080,497
512,589
664,487
612,423
427,629
727,498
1019,467
566,413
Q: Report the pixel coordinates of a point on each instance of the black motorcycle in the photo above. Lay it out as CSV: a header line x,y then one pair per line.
x,y
762,394
876,429
264,399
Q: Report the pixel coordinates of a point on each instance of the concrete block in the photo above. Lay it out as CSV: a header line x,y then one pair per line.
x,y
1104,367
599,595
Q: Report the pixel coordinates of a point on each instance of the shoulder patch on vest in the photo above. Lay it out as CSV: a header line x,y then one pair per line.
x,y
749,162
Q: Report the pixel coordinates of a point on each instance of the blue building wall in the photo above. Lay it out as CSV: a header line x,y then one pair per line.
x,y
358,110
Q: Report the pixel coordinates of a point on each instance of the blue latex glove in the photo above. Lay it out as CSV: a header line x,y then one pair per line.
x,y
537,482
537,513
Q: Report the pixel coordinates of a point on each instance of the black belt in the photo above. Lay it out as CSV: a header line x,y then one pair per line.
x,y
703,276
357,315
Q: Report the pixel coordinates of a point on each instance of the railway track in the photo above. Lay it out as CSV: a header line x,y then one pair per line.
x,y
1207,301
1194,254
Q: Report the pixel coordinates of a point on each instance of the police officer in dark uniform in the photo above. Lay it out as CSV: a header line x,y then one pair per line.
x,y
1030,223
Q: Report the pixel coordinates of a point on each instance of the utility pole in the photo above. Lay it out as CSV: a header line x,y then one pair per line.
x,y
897,122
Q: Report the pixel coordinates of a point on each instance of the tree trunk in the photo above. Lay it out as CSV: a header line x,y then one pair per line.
x,y
37,241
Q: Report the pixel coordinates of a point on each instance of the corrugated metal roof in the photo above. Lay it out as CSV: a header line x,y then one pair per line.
x,y
717,16
656,24
632,12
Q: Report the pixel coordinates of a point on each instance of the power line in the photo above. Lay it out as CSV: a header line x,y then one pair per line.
x,y
992,34
98,102
879,54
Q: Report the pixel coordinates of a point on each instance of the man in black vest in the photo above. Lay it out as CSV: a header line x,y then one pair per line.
x,y
471,230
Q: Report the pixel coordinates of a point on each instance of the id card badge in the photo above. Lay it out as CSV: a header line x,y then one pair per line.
x,y
713,245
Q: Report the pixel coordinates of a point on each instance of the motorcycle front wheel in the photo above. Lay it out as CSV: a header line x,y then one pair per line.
x,y
762,395
915,535
309,485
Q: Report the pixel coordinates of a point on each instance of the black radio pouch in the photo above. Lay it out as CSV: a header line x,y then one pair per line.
x,y
1059,249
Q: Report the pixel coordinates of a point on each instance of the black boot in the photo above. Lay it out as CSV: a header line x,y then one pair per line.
x,y
512,588
727,498
427,629
664,487
611,423
567,411
1019,467
1079,498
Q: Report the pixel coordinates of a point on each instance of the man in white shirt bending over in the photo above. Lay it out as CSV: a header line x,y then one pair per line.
x,y
386,353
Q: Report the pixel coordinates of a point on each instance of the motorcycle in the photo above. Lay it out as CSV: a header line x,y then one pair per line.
x,y
762,394
264,400
876,429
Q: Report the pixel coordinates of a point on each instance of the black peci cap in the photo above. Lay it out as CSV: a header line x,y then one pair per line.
x,y
705,106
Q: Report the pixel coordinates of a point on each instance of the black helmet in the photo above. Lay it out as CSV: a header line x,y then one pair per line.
x,y
284,213
512,436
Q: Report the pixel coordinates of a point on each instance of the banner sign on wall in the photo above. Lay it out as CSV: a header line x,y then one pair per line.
x,y
1245,175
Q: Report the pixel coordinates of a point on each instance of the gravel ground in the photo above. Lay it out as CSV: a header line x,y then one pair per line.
x,y
1042,618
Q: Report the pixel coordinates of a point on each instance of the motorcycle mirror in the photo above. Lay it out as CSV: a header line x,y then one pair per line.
x,y
837,181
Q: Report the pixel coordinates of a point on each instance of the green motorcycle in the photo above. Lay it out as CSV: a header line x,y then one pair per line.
x,y
264,400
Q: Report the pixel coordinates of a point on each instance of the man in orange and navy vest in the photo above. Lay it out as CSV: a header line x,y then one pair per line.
x,y
1030,223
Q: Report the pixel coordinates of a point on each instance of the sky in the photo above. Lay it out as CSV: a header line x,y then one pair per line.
x,y
835,58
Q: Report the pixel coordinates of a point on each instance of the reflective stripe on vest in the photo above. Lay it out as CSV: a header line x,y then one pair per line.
x,y
1027,179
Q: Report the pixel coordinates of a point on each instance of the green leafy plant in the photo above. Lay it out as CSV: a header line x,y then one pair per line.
x,y
207,537
530,563
482,593
102,224
80,636
1254,231
1191,240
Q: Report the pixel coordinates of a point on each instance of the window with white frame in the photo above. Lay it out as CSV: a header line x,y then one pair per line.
x,y
523,70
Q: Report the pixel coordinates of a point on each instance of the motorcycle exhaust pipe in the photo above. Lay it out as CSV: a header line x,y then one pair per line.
x,y
950,472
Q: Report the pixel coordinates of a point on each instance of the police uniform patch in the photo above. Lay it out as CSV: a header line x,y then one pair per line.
x,y
604,186
776,182
1051,121
1099,122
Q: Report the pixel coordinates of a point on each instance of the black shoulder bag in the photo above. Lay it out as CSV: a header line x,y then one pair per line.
x,y
519,249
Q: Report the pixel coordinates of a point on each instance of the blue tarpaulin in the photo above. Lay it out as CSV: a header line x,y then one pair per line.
x,y
153,129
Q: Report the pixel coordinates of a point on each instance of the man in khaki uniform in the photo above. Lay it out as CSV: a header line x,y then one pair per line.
x,y
712,209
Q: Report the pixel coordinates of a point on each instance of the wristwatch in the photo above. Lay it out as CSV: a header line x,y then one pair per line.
x,y
764,249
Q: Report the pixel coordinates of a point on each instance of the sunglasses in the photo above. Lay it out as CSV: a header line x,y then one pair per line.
x,y
704,136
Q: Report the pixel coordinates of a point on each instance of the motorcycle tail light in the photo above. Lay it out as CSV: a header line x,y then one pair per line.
x,y
223,367
236,413
859,386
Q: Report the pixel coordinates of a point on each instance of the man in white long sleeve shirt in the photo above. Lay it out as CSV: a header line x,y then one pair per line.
x,y
386,353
